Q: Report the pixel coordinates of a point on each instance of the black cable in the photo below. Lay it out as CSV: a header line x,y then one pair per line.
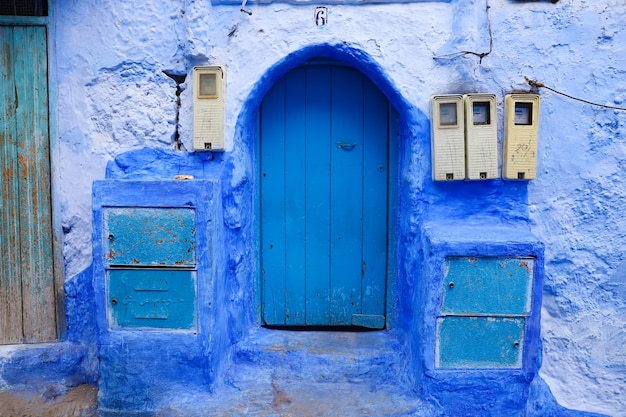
x,y
480,55
537,84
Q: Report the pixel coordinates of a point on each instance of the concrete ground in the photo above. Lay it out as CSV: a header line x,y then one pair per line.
x,y
266,398
285,399
274,373
79,402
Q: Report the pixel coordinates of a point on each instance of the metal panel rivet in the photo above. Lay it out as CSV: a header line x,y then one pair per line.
x,y
516,344
114,301
451,285
110,237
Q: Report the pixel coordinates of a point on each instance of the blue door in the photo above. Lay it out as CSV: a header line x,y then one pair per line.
x,y
323,199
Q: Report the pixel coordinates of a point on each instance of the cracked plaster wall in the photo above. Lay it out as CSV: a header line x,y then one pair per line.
x,y
114,97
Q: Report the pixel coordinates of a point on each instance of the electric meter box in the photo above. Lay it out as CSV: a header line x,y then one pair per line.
x,y
448,137
481,136
209,88
521,127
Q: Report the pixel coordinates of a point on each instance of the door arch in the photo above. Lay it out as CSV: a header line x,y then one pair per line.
x,y
324,171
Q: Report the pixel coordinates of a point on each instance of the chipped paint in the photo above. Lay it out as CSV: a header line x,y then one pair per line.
x,y
120,116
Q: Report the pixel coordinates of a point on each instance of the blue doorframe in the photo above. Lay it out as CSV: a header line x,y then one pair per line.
x,y
327,176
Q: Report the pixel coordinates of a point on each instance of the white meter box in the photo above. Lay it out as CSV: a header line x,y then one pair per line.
x,y
521,125
481,136
209,88
448,137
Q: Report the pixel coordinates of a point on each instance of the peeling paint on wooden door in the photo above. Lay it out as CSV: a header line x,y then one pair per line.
x,y
323,199
27,307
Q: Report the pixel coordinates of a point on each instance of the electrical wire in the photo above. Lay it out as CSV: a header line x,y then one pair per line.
x,y
537,84
243,11
480,55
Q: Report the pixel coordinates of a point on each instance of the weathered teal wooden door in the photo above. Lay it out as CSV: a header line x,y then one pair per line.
x,y
323,199
27,307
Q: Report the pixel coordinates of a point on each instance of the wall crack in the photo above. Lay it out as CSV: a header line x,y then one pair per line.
x,y
179,79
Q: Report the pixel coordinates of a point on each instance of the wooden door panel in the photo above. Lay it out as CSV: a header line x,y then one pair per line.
x,y
273,207
375,197
316,198
346,194
295,186
10,277
27,233
317,219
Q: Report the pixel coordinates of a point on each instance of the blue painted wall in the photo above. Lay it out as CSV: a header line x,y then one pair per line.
x,y
120,116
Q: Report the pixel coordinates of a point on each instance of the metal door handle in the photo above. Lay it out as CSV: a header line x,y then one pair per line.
x,y
346,146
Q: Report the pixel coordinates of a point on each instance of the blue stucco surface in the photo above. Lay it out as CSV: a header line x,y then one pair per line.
x,y
140,362
425,236
120,76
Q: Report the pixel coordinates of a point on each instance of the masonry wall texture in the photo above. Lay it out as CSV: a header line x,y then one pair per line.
x,y
123,113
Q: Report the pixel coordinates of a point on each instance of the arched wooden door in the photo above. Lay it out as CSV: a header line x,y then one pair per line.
x,y
324,135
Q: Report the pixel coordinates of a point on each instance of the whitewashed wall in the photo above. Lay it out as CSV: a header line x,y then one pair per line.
x,y
113,96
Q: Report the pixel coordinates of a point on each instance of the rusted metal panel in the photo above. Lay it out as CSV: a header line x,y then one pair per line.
x,y
149,237
26,237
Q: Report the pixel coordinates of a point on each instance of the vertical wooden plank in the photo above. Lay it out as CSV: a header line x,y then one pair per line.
x,y
318,148
258,278
375,170
34,194
273,204
346,194
10,277
295,166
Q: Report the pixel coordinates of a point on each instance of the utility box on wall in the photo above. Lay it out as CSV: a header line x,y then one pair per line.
x,y
481,136
464,137
448,137
157,268
209,101
521,129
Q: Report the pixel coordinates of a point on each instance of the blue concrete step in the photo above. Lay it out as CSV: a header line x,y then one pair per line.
x,y
323,356
277,373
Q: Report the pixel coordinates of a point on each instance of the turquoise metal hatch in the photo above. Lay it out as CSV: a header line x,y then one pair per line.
x,y
487,286
149,237
324,191
152,298
150,257
485,305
